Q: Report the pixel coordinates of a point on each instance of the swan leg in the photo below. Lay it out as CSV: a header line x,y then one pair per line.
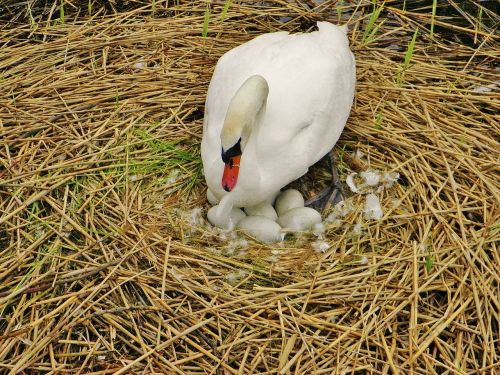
x,y
332,194
338,193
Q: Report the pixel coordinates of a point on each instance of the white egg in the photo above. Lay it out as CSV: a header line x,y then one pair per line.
x,y
262,228
287,200
300,218
229,222
212,199
262,209
272,198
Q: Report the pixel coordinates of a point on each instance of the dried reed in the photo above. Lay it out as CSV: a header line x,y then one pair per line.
x,y
106,262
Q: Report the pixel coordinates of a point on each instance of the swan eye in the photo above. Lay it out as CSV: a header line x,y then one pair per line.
x,y
231,152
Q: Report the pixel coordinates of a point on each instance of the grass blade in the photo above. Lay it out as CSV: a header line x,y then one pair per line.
x,y
227,4
429,262
434,5
409,51
206,19
370,30
61,12
407,59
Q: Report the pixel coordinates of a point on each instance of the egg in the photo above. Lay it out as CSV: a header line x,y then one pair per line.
x,y
300,218
262,209
212,199
229,222
262,228
272,198
287,200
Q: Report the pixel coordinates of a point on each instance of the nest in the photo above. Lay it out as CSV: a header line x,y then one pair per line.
x,y
107,264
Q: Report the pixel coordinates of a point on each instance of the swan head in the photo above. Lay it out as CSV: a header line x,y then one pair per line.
x,y
231,158
243,115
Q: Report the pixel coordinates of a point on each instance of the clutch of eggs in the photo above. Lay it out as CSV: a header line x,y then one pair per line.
x,y
267,223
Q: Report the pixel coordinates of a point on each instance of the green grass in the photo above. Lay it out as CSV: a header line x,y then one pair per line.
x,y
117,98
62,16
225,9
338,8
45,253
61,12
163,156
342,166
371,28
171,147
429,263
206,20
206,17
379,118
153,7
434,6
30,13
409,51
407,58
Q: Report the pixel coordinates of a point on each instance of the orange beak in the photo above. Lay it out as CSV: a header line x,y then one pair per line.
x,y
230,175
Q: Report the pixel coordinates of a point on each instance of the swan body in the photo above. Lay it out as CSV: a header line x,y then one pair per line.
x,y
275,106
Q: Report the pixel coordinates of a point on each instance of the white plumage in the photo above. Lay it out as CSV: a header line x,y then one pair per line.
x,y
310,79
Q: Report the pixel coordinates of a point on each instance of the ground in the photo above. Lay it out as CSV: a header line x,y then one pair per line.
x,y
107,264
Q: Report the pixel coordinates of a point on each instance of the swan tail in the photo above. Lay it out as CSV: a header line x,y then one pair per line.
x,y
332,34
327,28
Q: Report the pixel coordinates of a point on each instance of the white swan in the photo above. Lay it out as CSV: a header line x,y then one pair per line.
x,y
275,106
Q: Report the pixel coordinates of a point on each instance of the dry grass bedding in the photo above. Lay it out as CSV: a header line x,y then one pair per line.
x,y
107,264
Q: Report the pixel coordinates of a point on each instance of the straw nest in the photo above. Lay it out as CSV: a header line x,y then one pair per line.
x,y
107,264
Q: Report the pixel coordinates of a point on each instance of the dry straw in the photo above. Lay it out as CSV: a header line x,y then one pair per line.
x,y
108,266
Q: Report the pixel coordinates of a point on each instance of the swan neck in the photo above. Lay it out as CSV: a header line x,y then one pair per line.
x,y
245,111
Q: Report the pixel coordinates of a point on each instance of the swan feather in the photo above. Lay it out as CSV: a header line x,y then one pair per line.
x,y
311,79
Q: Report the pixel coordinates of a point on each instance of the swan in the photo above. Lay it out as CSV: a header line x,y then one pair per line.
x,y
274,107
